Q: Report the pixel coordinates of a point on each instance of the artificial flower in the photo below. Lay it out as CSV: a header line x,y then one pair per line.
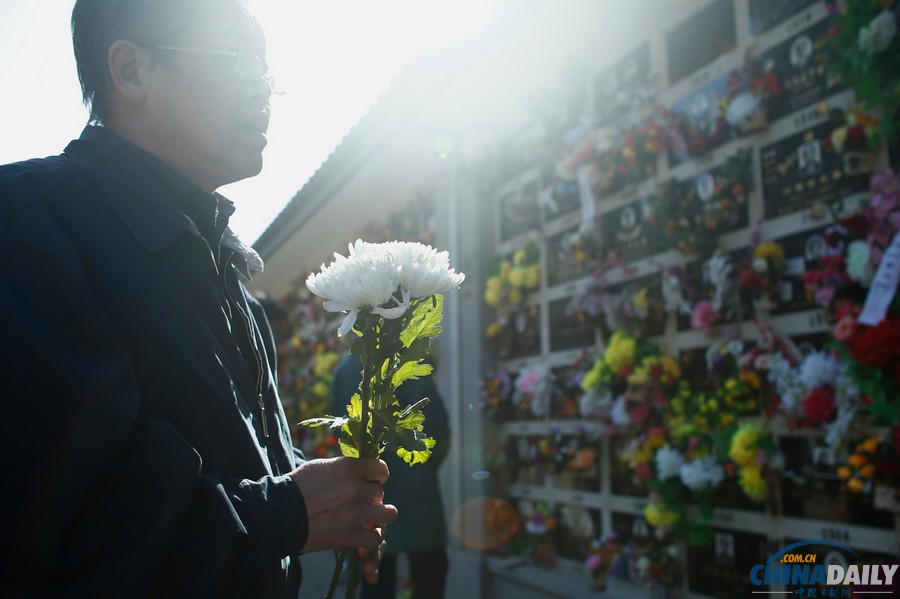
x,y
668,462
877,36
859,262
704,315
701,473
753,483
820,406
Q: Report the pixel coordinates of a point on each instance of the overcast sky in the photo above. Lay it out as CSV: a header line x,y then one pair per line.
x,y
332,57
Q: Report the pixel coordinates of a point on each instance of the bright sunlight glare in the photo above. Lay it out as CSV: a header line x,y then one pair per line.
x,y
332,59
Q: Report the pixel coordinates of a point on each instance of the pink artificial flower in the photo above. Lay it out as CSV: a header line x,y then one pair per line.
x,y
845,328
825,295
703,316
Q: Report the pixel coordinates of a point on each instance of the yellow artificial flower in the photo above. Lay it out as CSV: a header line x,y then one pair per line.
x,y
520,257
620,352
843,473
517,276
505,267
590,380
768,249
533,276
855,485
744,449
670,366
296,342
494,284
753,483
658,516
870,445
515,296
493,330
491,298
640,300
857,461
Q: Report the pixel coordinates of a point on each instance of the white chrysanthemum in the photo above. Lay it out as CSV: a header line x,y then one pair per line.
x,y
668,462
701,473
369,277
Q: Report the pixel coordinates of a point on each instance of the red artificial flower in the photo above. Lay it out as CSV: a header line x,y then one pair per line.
x,y
643,471
875,346
819,406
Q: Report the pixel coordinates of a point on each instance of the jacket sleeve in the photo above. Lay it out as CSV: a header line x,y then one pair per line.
x,y
99,498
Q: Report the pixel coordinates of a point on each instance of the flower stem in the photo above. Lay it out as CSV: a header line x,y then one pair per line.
x,y
339,556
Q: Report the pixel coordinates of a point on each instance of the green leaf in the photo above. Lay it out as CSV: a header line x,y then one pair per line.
x,y
330,421
416,457
413,421
410,370
406,439
354,409
347,448
415,407
424,321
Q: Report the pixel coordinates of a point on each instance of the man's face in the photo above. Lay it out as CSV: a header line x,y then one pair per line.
x,y
208,123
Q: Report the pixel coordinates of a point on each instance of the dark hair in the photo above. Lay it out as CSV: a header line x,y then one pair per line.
x,y
96,24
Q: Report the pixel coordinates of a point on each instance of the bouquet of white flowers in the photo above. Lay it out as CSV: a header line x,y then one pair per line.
x,y
391,293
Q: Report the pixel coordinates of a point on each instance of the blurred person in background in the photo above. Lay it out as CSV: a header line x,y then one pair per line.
x,y
419,532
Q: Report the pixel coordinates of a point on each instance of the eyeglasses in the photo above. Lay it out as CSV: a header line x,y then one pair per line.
x,y
247,66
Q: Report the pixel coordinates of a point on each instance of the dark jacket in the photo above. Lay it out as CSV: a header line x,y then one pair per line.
x,y
414,490
133,367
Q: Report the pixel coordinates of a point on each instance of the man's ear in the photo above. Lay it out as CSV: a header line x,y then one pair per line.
x,y
128,64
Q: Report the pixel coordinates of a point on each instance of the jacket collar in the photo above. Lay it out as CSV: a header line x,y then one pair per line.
x,y
148,195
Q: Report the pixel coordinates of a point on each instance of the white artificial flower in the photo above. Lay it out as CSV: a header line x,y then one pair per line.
x,y
817,370
878,34
668,462
701,473
619,413
859,262
718,270
673,297
742,108
595,402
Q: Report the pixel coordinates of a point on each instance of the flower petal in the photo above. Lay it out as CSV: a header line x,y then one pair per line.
x,y
348,323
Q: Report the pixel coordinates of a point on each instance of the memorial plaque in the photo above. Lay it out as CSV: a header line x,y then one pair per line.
x,y
572,254
701,121
696,279
813,490
801,252
635,307
567,331
521,335
803,77
803,170
722,568
707,34
623,86
765,14
630,230
728,495
631,528
519,211
562,198
578,526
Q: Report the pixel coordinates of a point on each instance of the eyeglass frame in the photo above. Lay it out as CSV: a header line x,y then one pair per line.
x,y
243,77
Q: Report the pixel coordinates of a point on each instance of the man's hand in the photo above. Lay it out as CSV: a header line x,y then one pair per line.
x,y
344,503
371,559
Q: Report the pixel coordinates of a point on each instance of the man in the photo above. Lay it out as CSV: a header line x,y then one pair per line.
x,y
421,532
145,451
